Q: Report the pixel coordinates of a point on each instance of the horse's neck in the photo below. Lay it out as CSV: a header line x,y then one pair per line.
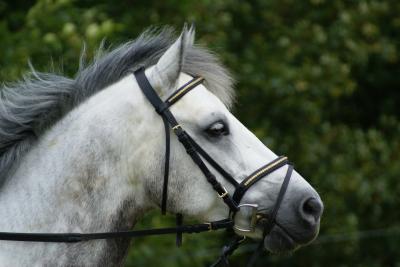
x,y
76,179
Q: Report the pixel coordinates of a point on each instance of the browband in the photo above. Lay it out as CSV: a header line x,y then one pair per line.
x,y
183,90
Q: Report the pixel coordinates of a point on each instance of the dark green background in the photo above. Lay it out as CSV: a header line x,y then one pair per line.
x,y
318,80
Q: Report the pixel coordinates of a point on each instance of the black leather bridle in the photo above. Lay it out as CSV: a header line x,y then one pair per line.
x,y
198,155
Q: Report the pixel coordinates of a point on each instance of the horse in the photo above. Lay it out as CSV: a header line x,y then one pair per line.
x,y
87,155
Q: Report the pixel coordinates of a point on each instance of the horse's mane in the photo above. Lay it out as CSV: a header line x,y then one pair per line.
x,y
29,107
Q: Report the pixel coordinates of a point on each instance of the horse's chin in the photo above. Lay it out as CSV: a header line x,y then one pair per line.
x,y
279,241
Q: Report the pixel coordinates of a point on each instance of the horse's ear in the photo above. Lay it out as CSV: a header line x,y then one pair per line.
x,y
165,73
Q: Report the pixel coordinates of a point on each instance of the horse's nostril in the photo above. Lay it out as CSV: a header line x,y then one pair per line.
x,y
312,207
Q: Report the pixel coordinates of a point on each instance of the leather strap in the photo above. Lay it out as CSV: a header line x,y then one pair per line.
x,y
166,167
183,90
258,175
213,163
179,222
79,237
278,202
183,137
228,250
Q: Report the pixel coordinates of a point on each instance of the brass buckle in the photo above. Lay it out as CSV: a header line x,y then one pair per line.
x,y
225,193
176,127
209,226
253,220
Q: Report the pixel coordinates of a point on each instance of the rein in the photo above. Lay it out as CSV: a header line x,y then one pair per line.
x,y
195,151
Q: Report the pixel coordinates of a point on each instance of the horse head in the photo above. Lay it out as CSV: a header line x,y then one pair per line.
x,y
206,117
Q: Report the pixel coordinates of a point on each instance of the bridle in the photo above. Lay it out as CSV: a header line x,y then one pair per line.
x,y
196,152
198,155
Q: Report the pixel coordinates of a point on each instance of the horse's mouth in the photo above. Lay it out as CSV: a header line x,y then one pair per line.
x,y
279,240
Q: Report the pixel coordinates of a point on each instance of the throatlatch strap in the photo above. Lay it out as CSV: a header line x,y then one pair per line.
x,y
166,167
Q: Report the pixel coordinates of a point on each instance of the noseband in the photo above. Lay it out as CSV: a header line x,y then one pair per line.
x,y
199,156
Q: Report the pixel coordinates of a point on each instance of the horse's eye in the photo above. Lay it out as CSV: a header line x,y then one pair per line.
x,y
217,129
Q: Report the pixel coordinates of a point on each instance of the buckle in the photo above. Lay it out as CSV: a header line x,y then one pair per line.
x,y
209,226
253,219
224,194
176,127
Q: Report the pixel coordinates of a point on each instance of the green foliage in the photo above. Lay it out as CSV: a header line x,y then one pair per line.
x,y
317,80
